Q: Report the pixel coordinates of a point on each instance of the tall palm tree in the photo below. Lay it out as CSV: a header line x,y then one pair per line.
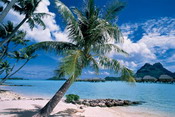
x,y
90,34
27,8
7,8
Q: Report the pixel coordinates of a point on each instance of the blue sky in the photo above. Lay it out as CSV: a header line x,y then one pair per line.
x,y
148,27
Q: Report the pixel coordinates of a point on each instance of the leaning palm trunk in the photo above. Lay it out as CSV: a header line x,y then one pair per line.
x,y
7,9
3,55
8,76
48,108
9,37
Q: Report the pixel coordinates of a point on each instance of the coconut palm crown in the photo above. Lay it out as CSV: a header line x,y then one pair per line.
x,y
90,34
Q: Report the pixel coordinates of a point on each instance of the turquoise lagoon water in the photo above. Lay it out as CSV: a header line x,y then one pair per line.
x,y
158,96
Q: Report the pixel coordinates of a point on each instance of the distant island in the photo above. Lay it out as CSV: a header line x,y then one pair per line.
x,y
147,72
155,72
90,79
80,80
16,78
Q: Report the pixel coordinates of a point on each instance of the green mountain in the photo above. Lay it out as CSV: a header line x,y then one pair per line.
x,y
155,70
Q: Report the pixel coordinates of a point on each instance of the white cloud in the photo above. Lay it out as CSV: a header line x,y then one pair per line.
x,y
61,36
90,72
137,48
157,39
105,73
52,30
159,33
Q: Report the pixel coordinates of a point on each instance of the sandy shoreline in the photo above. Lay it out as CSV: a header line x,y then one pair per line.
x,y
16,105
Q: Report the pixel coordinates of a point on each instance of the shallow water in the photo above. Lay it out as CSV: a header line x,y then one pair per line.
x,y
158,96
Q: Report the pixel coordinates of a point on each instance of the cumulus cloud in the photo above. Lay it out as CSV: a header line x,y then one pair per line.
x,y
159,33
157,38
52,30
61,36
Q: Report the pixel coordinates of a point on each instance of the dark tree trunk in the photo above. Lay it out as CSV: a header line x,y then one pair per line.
x,y
7,9
48,108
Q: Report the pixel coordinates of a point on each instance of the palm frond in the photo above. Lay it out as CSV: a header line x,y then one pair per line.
x,y
56,46
102,31
90,8
3,31
41,15
31,23
6,29
71,65
103,49
19,7
72,26
19,38
110,64
81,18
94,64
113,10
65,11
39,22
9,26
127,75
114,65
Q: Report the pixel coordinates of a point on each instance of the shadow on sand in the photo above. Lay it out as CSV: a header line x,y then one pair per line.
x,y
16,112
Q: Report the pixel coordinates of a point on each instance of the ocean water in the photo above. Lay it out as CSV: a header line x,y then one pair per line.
x,y
158,96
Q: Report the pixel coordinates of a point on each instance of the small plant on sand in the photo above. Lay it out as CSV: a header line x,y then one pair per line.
x,y
72,98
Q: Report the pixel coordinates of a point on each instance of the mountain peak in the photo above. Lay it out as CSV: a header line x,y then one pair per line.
x,y
159,65
146,65
155,70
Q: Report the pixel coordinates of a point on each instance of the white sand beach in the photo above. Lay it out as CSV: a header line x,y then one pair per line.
x,y
16,105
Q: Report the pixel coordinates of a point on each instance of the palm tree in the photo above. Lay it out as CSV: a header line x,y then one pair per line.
x,y
17,39
17,55
5,67
89,33
27,8
7,8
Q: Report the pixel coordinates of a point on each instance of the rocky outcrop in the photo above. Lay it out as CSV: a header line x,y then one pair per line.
x,y
106,102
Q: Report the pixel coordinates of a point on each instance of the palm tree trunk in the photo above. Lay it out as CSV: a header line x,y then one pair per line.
x,y
14,31
48,108
8,76
5,51
2,81
7,9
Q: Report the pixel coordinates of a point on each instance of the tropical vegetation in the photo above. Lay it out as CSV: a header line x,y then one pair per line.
x,y
10,54
12,39
70,98
27,8
90,33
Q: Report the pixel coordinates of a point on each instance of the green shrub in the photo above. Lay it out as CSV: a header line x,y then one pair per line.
x,y
72,98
